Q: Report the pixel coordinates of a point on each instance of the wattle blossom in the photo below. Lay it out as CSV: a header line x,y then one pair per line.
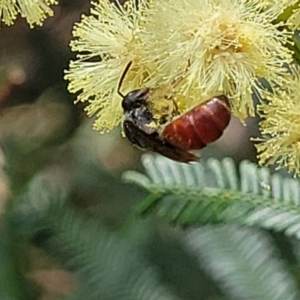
x,y
106,41
34,11
280,126
189,49
226,44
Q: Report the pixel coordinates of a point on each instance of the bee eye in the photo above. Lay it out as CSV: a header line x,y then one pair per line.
x,y
130,102
135,99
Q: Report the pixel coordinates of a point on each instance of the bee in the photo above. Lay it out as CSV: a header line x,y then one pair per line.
x,y
200,126
167,134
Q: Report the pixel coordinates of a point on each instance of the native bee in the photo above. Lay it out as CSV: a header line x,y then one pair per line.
x,y
200,126
170,135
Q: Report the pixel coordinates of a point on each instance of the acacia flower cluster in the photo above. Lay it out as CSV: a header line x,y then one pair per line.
x,y
280,126
34,11
230,44
189,48
224,46
106,41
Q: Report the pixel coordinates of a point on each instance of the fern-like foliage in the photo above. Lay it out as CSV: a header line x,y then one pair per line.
x,y
215,192
108,265
221,262
244,261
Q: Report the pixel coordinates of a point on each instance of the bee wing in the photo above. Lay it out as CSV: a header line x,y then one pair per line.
x,y
142,119
155,143
176,154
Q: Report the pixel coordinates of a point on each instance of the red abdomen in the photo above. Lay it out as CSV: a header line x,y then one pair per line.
x,y
200,126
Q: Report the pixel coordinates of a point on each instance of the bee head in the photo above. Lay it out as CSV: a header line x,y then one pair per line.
x,y
135,99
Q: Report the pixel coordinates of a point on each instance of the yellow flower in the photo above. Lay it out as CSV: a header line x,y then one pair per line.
x,y
228,45
34,11
107,41
280,127
186,49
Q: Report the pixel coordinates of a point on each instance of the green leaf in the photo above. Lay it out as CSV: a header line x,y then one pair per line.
x,y
107,264
121,265
13,282
10,287
244,262
213,192
295,47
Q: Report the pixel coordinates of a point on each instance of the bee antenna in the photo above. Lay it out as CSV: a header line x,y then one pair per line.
x,y
122,78
189,64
